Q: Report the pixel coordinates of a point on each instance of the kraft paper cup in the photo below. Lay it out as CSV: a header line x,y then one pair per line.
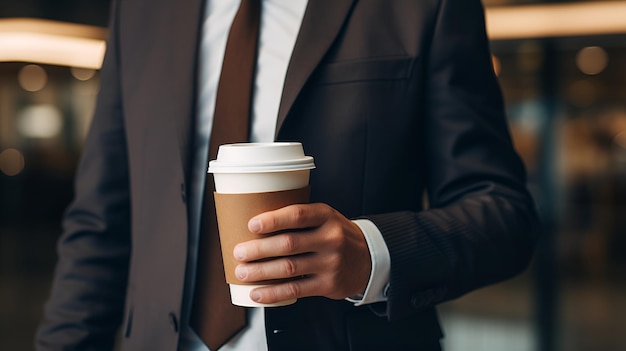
x,y
252,178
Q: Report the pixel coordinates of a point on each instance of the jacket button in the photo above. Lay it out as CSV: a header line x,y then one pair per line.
x,y
173,321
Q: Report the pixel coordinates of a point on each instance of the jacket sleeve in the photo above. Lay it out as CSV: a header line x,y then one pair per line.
x,y
481,225
86,302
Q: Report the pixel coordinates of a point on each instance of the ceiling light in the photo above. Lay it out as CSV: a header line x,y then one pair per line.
x,y
51,42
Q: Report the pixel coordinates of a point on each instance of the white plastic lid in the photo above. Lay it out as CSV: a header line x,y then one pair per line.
x,y
261,157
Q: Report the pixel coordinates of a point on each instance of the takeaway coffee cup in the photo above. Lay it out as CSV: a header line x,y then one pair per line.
x,y
252,178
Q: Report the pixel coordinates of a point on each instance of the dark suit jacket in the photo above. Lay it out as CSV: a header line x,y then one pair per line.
x,y
392,97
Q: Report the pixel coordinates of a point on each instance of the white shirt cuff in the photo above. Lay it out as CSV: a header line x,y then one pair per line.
x,y
378,284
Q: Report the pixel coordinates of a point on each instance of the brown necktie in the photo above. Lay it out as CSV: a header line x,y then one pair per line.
x,y
214,318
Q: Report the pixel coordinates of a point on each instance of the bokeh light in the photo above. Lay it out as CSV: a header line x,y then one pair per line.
x,y
32,78
39,121
82,73
592,60
11,162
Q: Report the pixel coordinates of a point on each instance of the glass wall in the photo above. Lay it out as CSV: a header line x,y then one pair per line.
x,y
44,114
566,101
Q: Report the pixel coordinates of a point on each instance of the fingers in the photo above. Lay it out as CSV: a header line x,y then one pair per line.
x,y
286,244
312,242
294,289
313,285
293,218
281,268
290,217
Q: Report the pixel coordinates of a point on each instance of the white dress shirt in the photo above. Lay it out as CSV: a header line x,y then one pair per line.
x,y
280,24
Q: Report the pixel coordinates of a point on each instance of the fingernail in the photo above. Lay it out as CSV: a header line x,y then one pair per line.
x,y
254,225
241,273
255,296
239,253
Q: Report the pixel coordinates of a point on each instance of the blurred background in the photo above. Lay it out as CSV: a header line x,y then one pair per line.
x,y
562,67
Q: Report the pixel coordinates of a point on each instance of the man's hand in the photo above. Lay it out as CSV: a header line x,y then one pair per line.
x,y
314,243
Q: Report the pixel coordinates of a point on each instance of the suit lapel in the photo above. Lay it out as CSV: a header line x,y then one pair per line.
x,y
322,22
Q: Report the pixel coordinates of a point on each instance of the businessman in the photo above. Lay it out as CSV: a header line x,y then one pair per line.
x,y
397,102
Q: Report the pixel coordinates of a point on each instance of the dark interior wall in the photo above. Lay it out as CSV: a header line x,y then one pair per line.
x,y
93,12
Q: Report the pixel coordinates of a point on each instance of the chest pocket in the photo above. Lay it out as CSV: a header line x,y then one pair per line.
x,y
375,69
